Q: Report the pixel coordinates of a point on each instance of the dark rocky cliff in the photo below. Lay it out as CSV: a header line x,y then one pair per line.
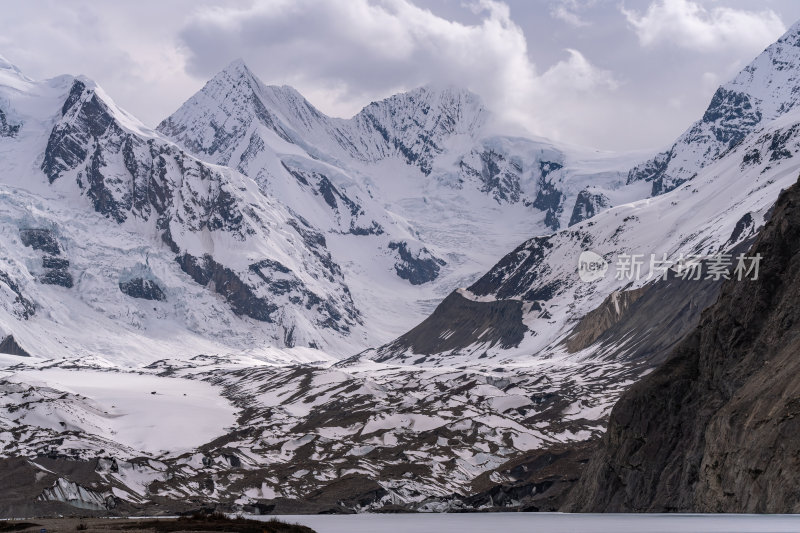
x,y
717,427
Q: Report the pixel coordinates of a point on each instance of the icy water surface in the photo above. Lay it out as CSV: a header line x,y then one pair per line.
x,y
547,523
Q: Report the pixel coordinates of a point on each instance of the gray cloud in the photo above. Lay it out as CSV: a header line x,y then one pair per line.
x,y
347,52
581,71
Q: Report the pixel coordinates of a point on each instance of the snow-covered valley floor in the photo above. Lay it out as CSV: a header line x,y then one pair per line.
x,y
150,414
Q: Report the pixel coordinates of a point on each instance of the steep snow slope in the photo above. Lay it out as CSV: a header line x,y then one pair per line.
x,y
717,210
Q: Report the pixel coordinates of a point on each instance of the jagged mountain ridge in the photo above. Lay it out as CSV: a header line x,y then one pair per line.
x,y
407,185
412,125
439,130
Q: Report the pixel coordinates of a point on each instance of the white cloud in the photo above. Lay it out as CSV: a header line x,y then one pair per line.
x,y
690,25
116,43
576,74
343,53
709,82
566,11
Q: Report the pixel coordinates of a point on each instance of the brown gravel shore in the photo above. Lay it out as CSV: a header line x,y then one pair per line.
x,y
196,524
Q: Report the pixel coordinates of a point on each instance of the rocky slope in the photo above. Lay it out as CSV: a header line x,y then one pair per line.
x,y
715,428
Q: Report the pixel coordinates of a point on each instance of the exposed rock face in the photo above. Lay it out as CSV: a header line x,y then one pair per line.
x,y
21,306
459,322
56,268
58,276
226,283
745,227
40,239
145,289
519,273
498,174
549,198
56,272
56,263
10,346
598,321
418,268
717,427
6,129
587,205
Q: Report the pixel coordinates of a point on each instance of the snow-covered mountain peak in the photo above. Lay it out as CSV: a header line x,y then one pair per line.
x,y
229,108
761,92
92,91
432,110
236,77
412,126
771,78
237,66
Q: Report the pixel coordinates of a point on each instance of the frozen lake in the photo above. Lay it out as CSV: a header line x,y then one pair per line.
x,y
547,523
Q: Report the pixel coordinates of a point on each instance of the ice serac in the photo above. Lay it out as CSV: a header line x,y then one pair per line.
x,y
715,428
760,93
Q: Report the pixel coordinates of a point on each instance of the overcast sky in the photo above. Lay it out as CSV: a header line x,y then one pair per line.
x,y
609,74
